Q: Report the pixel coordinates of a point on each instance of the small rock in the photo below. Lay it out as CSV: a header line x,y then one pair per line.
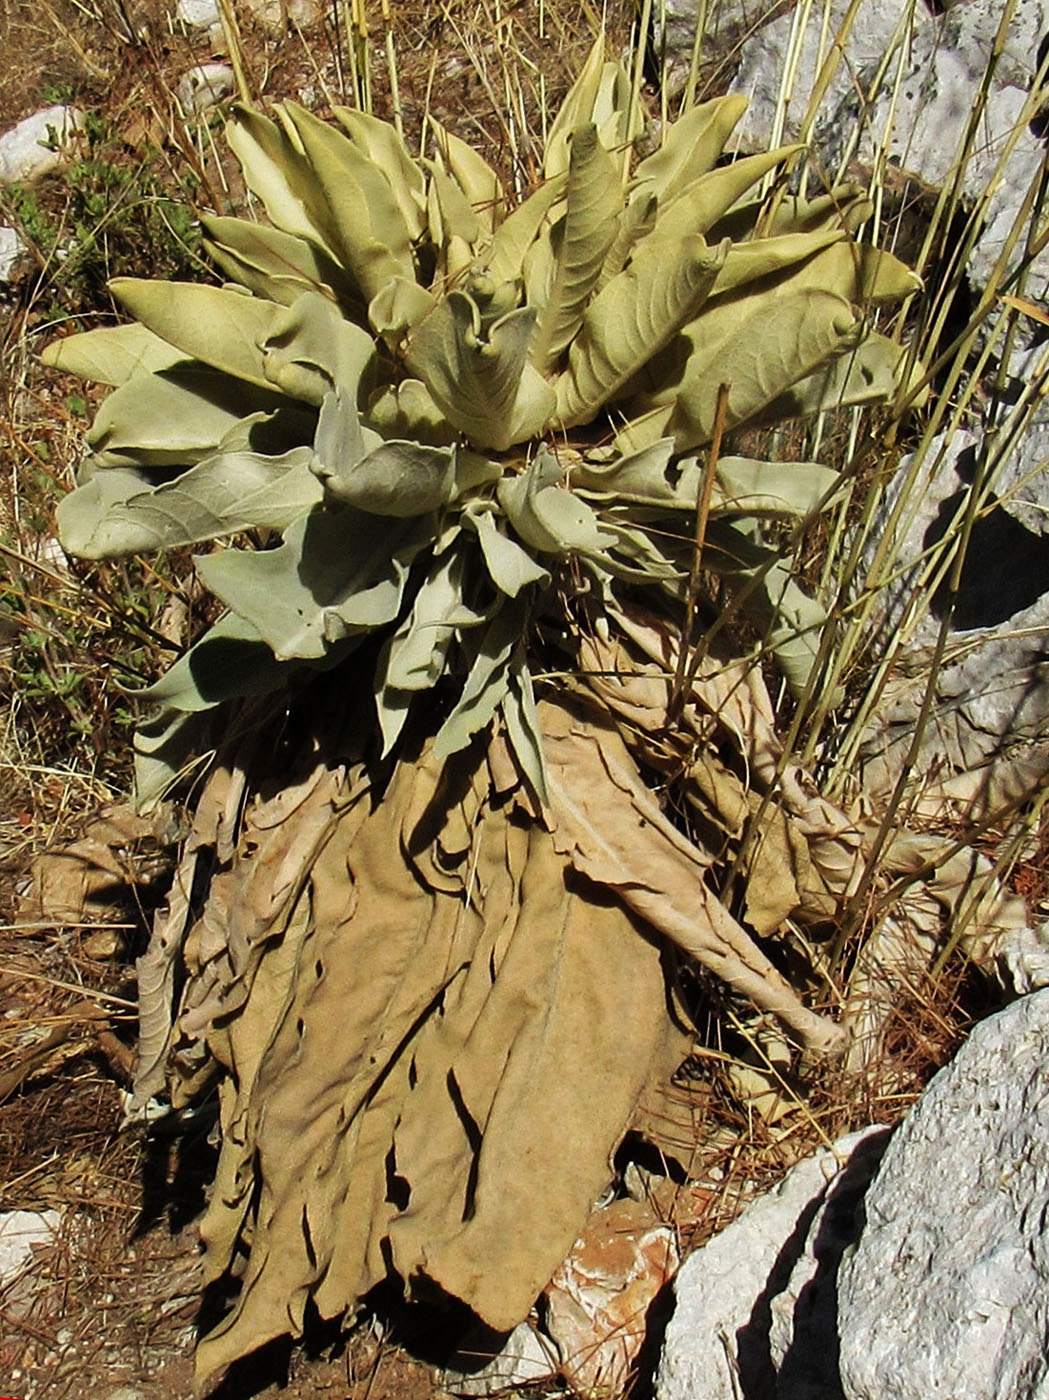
x,y
12,250
39,144
755,1307
126,1392
597,1303
205,86
276,14
525,1358
198,14
947,1291
20,1230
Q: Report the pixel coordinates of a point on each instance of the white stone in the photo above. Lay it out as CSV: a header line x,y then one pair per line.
x,y
39,144
11,250
754,1307
273,15
947,1291
198,14
205,86
923,119
20,1230
526,1358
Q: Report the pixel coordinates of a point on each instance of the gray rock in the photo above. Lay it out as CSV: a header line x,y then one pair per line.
x,y
205,86
39,144
727,23
525,1358
940,62
947,1291
755,1307
987,738
198,14
12,250
20,1231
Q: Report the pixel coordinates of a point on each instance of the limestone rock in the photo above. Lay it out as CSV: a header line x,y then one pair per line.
x,y
198,14
988,736
39,144
205,86
940,62
12,251
524,1358
947,1291
755,1306
20,1232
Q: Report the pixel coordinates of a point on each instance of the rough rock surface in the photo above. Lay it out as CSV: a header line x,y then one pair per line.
x,y
20,1232
988,736
39,144
11,251
205,86
755,1307
947,1291
940,63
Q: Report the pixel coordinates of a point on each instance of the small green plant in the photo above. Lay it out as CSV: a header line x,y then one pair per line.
x,y
108,213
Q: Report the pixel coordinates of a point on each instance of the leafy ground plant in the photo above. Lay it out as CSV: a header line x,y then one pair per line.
x,y
430,953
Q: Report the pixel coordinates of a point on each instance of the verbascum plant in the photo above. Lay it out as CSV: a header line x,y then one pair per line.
x,y
470,439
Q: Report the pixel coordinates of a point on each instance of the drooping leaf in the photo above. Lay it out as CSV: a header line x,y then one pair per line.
x,y
523,728
510,567
548,516
173,418
869,373
758,350
111,354
487,682
310,348
221,495
335,575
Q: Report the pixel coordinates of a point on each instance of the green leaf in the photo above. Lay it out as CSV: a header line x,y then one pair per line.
x,y
338,573
173,418
218,327
112,354
222,495
869,373
759,348
382,144
230,661
485,387
354,203
585,235
487,683
271,263
631,319
705,200
510,567
408,410
691,147
397,308
276,172
311,347
419,648
503,259
548,516
766,257
635,222
523,728
476,178
747,487
399,479
576,110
